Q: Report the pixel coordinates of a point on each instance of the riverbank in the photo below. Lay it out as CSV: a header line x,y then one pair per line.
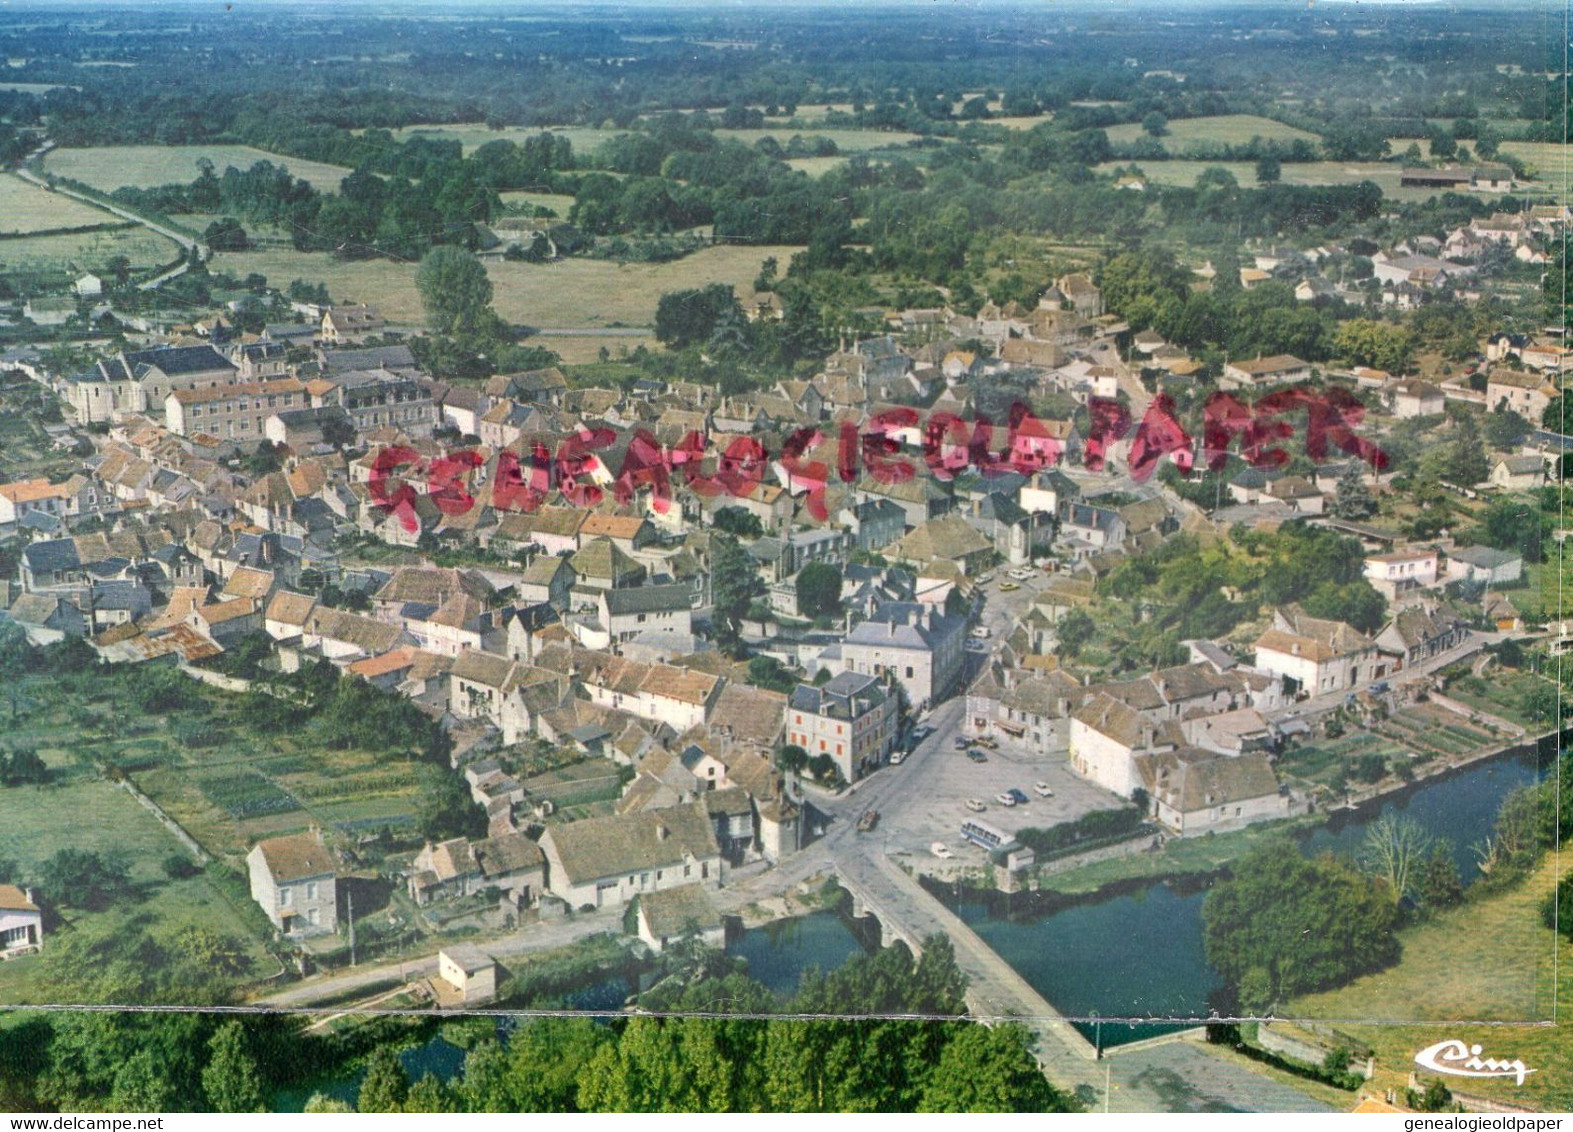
x,y
1491,960
1194,858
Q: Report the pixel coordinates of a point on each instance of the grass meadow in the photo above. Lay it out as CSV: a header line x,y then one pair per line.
x,y
572,293
1222,129
1464,975
107,168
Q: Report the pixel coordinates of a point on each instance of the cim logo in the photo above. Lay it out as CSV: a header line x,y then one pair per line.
x,y
1457,1059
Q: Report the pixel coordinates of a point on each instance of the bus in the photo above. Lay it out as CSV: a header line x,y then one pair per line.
x,y
985,835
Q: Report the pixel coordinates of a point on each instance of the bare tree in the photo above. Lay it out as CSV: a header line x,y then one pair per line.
x,y
1394,848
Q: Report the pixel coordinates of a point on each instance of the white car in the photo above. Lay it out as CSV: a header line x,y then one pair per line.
x,y
1005,799
897,758
981,633
1021,575
1043,789
975,806
940,850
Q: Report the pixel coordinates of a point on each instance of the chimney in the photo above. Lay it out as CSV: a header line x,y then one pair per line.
x,y
27,894
661,832
1296,648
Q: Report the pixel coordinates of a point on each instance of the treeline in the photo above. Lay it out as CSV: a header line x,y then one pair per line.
x,y
746,1061
739,1057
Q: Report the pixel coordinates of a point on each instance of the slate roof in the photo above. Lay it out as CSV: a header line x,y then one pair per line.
x,y
648,599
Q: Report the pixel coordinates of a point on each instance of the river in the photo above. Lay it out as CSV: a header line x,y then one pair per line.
x,y
1137,954
778,954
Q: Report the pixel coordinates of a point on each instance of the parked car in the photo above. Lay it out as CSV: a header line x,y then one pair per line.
x,y
868,821
1008,587
1043,789
988,741
1021,574
977,756
941,850
981,632
897,757
1005,799
1020,798
985,579
975,806
961,742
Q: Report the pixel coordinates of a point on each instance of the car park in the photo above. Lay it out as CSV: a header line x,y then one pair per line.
x,y
941,850
1043,789
975,806
1005,799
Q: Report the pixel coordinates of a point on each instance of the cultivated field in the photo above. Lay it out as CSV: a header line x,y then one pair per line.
x,y
107,168
85,251
573,293
1547,161
1224,129
25,207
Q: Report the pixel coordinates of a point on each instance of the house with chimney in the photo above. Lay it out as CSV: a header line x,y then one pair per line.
x,y
1319,655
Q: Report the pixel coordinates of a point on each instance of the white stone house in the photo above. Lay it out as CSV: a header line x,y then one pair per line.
x,y
295,881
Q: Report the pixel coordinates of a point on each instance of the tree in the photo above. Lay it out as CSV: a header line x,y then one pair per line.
x,y
1505,429
768,672
1558,416
1556,911
1155,124
1465,458
1074,630
737,521
232,1081
1283,925
1268,170
1394,850
1509,525
989,1069
1353,500
735,585
819,589
444,807
22,766
82,878
454,289
1436,882
226,235
386,1086
689,318
429,1094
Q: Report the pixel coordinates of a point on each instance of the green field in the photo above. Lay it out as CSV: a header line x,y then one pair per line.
x,y
521,201
473,135
1489,961
1224,129
107,168
86,251
816,166
1547,161
1184,172
848,141
25,207
572,293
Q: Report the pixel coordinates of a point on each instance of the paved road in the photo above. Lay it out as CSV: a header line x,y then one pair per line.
x,y
186,242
